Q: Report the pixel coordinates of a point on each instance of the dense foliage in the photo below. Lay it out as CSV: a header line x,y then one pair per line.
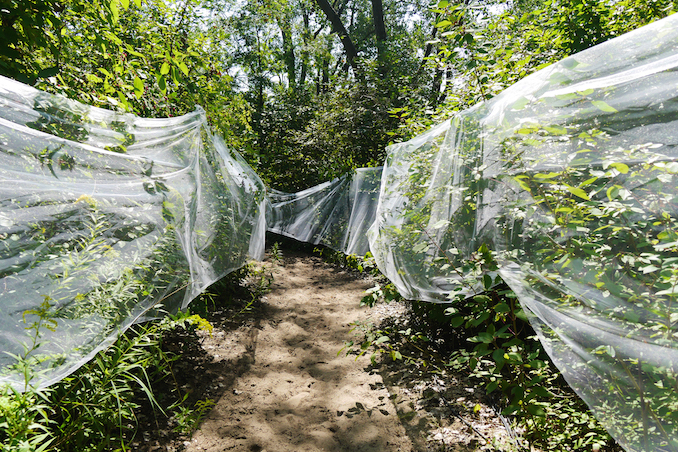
x,y
307,90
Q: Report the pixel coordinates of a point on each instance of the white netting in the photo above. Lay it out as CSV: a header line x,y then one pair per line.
x,y
104,216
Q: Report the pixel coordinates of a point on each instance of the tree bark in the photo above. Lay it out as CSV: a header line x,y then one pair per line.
x,y
288,51
339,29
379,27
304,53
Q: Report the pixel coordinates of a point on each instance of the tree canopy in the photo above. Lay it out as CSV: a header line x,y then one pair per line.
x,y
305,89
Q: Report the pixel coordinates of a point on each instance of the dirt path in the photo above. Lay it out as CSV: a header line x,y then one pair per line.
x,y
291,391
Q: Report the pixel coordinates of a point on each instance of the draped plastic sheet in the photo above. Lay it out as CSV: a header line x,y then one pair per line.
x,y
570,176
336,214
105,216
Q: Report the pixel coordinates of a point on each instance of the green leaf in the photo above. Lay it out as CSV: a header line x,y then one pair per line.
x,y
115,12
124,3
621,167
440,224
165,68
487,282
520,103
536,410
672,291
138,87
138,3
603,106
381,340
183,68
555,130
546,175
48,72
502,307
612,192
578,192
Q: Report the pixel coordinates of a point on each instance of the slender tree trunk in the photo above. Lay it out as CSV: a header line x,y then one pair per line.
x,y
288,50
429,47
379,27
435,89
339,29
304,53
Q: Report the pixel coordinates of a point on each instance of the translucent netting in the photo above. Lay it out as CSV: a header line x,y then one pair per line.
x,y
336,214
105,216
570,177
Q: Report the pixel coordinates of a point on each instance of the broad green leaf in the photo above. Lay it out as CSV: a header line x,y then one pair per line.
x,y
115,12
546,175
93,78
555,130
440,224
520,103
612,192
124,3
578,192
138,3
165,68
502,307
672,291
621,167
138,87
600,105
183,68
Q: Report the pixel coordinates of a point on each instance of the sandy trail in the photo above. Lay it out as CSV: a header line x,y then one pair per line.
x,y
292,391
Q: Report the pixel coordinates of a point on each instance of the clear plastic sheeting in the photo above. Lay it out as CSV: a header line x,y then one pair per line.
x,y
566,184
336,214
105,216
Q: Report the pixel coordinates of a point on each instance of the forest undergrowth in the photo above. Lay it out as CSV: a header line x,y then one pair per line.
x,y
487,341
137,386
143,390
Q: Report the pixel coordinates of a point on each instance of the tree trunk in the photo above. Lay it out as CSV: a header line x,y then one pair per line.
x,y
304,53
339,29
288,51
379,27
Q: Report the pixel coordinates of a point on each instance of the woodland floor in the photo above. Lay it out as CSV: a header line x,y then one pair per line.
x,y
280,384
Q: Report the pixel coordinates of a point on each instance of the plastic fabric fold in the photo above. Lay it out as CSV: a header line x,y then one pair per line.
x,y
336,214
105,217
566,185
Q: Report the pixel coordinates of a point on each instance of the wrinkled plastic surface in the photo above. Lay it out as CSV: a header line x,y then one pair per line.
x,y
564,185
569,179
104,216
336,214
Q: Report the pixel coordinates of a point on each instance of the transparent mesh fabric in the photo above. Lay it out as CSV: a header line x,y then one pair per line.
x,y
104,216
568,180
336,214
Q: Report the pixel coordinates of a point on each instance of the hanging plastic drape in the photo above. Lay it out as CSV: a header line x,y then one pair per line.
x,y
564,185
570,178
104,216
336,214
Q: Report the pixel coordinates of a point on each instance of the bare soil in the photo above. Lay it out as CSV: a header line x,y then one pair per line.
x,y
280,381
